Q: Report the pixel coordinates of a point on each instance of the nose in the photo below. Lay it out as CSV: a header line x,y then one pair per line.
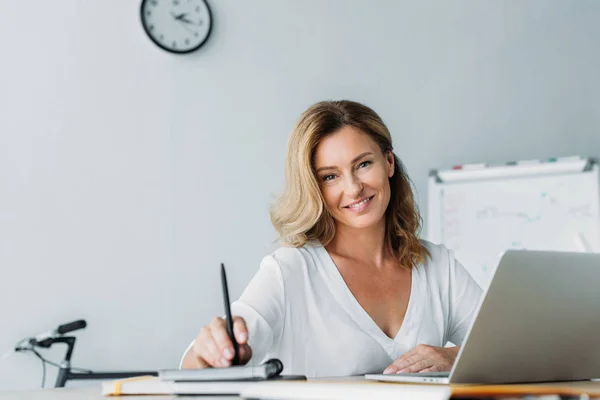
x,y
353,186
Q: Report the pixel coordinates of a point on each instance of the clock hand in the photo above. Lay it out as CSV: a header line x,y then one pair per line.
x,y
186,27
187,21
178,17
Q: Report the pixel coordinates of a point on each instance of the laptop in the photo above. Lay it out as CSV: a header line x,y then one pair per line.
x,y
539,321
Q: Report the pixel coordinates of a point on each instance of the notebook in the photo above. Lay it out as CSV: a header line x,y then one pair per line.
x,y
205,381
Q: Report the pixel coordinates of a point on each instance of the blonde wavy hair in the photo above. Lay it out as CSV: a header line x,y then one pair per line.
x,y
300,214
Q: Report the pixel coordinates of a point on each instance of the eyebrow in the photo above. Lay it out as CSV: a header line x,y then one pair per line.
x,y
353,161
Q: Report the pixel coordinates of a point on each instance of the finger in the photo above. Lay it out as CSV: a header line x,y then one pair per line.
x,y
415,351
401,363
240,330
196,360
407,362
245,353
417,367
391,369
222,341
420,352
435,368
205,348
408,359
213,352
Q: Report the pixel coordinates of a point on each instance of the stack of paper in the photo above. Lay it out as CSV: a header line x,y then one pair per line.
x,y
277,389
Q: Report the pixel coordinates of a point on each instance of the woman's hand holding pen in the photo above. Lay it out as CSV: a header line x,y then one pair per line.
x,y
424,358
213,348
223,342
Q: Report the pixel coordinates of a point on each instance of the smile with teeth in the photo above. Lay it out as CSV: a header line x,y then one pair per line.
x,y
360,204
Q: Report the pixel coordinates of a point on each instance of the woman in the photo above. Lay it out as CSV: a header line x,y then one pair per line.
x,y
353,290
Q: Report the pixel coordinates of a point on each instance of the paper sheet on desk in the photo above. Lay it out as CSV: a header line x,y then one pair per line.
x,y
151,385
337,390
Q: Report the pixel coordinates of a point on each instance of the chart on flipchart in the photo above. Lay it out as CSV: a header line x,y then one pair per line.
x,y
479,211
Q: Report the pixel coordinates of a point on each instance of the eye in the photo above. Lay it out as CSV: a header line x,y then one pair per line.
x,y
329,177
364,164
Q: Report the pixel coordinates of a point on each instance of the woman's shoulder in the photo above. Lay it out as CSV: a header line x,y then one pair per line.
x,y
442,266
438,253
292,260
439,262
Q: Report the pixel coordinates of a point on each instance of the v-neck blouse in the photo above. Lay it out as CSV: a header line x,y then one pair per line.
x,y
299,309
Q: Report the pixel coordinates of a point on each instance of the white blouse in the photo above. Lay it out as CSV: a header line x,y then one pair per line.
x,y
299,309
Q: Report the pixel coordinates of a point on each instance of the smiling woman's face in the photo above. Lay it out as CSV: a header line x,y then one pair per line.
x,y
353,174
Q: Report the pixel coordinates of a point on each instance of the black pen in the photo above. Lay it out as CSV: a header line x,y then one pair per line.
x,y
228,319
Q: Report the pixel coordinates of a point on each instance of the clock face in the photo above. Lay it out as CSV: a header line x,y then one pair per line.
x,y
178,26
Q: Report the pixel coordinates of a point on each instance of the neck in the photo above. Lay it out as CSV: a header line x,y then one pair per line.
x,y
363,244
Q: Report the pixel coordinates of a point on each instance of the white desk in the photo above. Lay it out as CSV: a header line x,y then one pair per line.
x,y
89,393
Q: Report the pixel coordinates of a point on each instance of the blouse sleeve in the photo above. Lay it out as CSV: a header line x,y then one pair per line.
x,y
465,295
262,305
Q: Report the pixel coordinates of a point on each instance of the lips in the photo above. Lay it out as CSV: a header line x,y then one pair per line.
x,y
359,203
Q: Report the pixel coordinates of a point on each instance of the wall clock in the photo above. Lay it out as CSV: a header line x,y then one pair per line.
x,y
177,26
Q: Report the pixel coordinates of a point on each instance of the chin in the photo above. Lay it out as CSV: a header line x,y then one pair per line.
x,y
363,222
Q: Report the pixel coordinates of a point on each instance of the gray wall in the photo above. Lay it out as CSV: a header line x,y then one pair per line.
x,y
127,174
